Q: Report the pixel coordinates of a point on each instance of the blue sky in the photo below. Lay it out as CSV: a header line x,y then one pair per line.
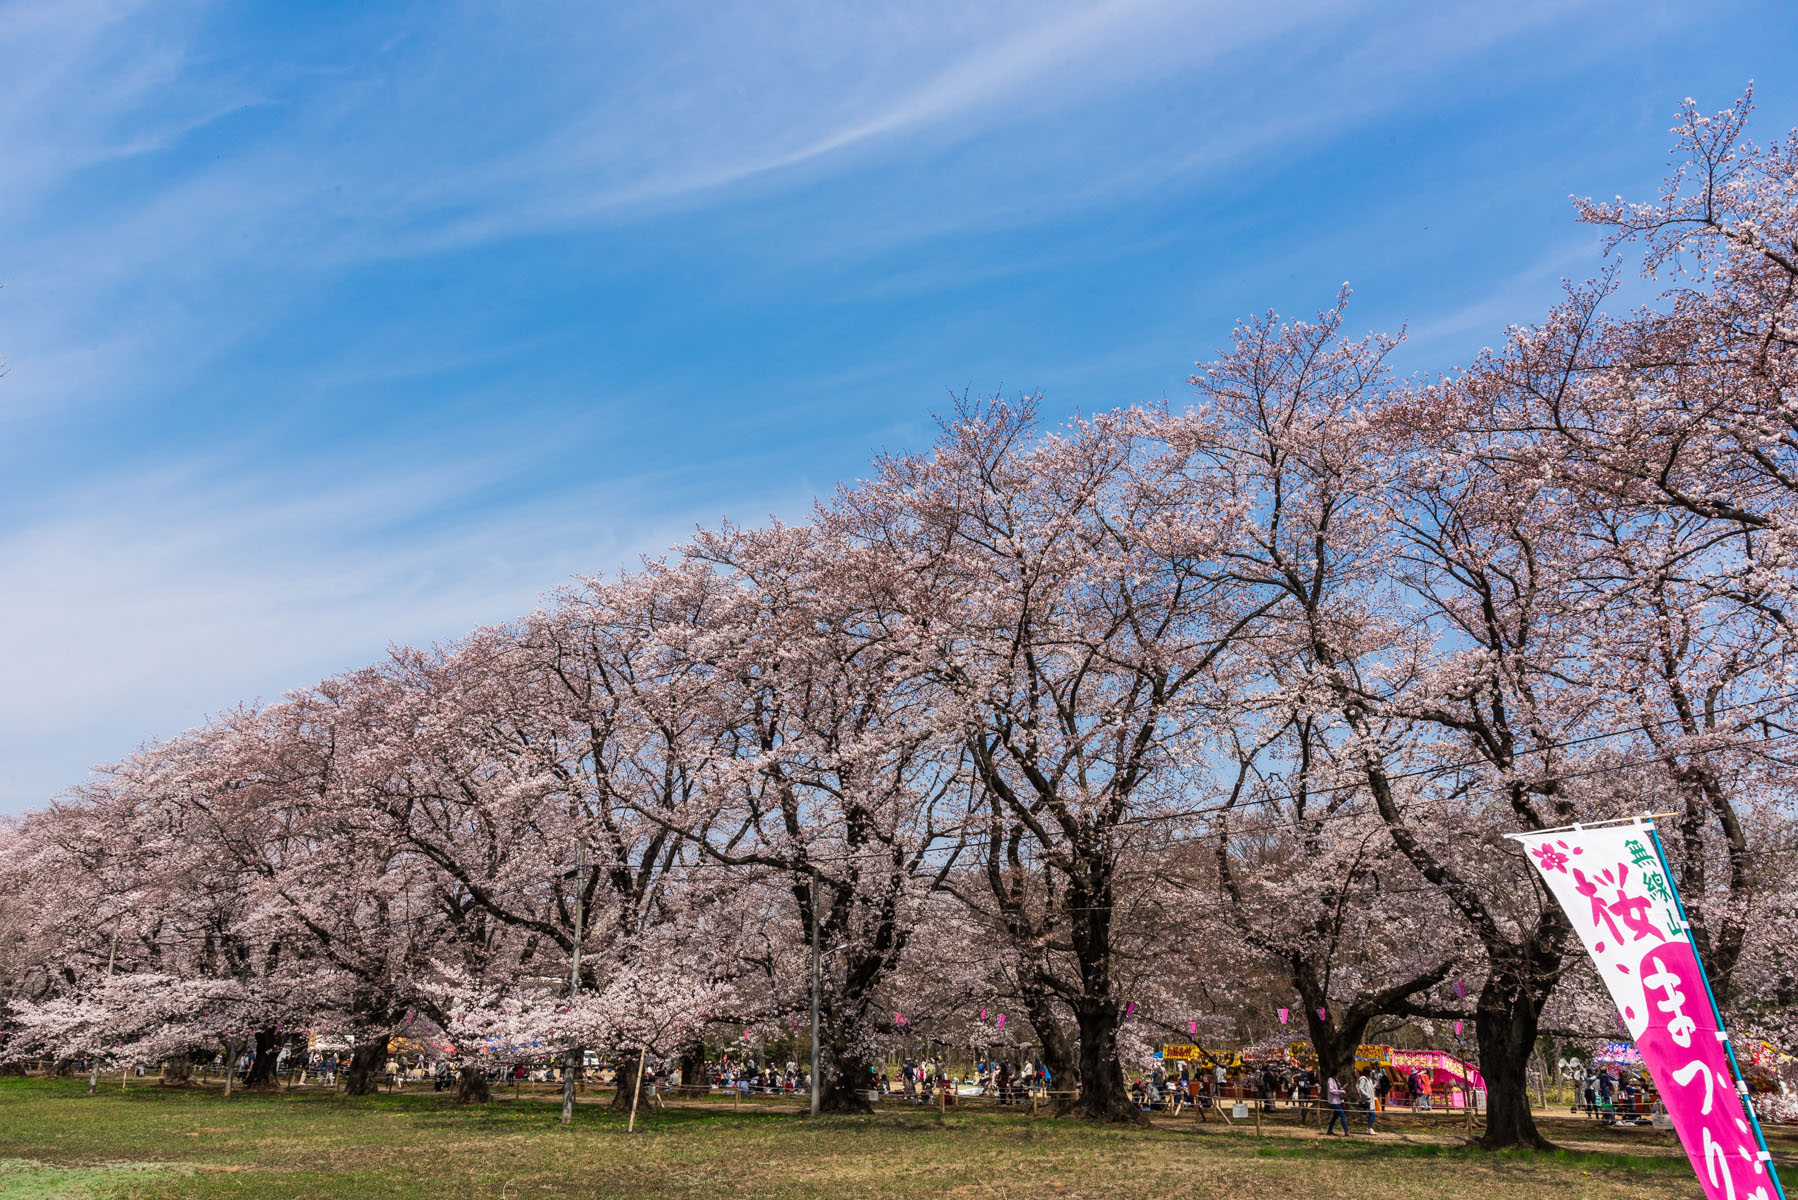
x,y
331,326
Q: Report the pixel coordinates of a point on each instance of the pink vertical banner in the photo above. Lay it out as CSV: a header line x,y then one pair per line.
x,y
1284,1013
1617,890
1323,1014
1192,1027
1001,1021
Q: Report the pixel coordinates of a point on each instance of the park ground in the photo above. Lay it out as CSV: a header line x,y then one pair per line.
x,y
58,1144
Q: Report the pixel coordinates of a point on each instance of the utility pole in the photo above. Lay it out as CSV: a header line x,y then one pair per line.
x,y
816,936
112,953
572,1059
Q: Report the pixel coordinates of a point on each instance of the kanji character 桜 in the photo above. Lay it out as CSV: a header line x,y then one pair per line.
x,y
1632,909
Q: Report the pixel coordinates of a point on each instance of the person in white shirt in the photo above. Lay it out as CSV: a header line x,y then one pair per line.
x,y
1365,1086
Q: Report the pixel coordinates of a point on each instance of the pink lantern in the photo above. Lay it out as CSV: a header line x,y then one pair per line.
x,y
1284,1013
1457,1029
1192,1028
1323,1014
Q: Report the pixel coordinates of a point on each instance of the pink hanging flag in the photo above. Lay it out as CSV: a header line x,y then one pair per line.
x,y
983,1014
1460,990
1192,1028
1323,1014
1001,1020
1618,892
1457,1029
1130,1008
1284,1013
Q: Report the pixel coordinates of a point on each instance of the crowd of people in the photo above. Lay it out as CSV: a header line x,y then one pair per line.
x,y
1624,1098
1172,1088
1613,1096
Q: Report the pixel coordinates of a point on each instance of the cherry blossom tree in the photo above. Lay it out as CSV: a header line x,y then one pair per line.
x,y
835,788
1064,592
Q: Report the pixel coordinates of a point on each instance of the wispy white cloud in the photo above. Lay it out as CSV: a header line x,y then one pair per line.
x,y
138,606
178,183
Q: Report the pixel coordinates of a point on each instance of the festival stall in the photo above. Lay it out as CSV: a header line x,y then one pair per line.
x,y
1452,1079
1618,1054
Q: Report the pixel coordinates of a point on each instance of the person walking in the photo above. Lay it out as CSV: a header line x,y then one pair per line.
x,y
1369,1096
1333,1095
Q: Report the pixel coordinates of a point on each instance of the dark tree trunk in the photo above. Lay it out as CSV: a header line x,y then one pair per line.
x,y
844,1079
1335,1044
268,1053
471,1086
1042,1009
1097,1013
625,1076
692,1068
363,1076
1103,1093
1505,1020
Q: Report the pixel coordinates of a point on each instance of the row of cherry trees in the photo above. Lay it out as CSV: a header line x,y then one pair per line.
x,y
1160,718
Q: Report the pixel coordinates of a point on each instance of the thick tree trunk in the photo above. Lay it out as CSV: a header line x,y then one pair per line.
x,y
624,1075
692,1068
268,1053
843,1085
177,1072
1098,1013
1506,1024
471,1086
363,1076
844,1076
1103,1093
1335,1047
1042,1009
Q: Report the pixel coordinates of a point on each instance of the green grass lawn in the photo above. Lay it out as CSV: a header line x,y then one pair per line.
x,y
57,1143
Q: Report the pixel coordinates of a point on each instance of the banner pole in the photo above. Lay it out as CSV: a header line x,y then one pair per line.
x,y
1638,819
